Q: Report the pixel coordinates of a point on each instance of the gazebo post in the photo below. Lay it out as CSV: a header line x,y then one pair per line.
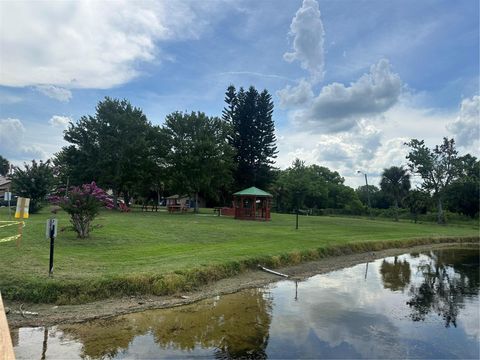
x,y
242,212
255,208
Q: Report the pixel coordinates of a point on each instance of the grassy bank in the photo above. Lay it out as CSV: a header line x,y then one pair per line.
x,y
158,253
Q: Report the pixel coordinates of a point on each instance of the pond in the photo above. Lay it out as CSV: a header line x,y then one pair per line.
x,y
417,305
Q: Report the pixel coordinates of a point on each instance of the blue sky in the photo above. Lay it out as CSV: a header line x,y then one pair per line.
x,y
351,80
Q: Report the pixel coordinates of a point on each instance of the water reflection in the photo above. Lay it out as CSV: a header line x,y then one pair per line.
x,y
342,314
233,326
446,278
396,274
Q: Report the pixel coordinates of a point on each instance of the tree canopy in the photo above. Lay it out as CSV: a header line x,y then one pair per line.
x,y
35,181
112,147
378,198
4,166
462,195
395,182
314,187
250,115
199,157
437,168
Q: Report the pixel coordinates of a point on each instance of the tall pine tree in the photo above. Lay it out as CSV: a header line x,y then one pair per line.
x,y
253,135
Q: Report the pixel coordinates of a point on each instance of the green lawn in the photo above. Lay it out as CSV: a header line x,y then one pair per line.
x,y
153,244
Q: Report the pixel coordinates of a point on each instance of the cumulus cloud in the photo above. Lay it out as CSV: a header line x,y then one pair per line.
x,y
55,92
11,133
293,96
308,39
338,107
465,127
89,44
13,145
59,121
353,150
365,147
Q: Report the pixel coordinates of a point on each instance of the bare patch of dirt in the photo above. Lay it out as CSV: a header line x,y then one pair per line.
x,y
48,314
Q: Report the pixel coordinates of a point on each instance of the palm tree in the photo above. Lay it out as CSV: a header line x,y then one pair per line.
x,y
395,182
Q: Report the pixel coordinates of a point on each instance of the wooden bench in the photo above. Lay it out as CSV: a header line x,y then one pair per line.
x,y
177,208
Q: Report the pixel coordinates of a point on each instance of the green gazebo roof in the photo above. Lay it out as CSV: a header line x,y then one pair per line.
x,y
253,191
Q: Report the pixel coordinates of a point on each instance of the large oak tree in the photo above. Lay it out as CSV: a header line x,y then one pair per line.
x,y
112,148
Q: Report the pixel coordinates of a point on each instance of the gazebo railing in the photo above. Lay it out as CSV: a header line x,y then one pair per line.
x,y
249,213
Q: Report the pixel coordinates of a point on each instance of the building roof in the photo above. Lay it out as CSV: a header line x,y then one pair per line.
x,y
253,191
176,196
4,180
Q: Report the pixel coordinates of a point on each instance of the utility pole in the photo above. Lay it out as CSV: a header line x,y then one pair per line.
x,y
369,205
297,194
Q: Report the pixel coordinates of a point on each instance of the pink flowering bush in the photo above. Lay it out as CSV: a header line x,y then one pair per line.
x,y
83,203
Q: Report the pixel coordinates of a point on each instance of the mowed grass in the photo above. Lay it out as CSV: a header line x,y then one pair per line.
x,y
146,246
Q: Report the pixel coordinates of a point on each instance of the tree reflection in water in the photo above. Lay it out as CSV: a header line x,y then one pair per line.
x,y
446,278
395,276
235,326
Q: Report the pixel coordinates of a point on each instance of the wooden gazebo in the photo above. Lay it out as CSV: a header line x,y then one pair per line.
x,y
252,204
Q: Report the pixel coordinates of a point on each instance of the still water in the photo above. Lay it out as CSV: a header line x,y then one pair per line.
x,y
418,305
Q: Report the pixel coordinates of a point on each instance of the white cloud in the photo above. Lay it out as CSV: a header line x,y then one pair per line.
x,y
89,44
308,39
59,121
11,133
371,145
55,92
33,152
296,95
338,107
351,151
13,145
465,127
344,152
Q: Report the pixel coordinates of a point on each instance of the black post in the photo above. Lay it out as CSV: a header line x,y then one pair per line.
x,y
296,227
52,240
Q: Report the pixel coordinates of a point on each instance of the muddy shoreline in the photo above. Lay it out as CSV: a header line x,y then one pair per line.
x,y
49,314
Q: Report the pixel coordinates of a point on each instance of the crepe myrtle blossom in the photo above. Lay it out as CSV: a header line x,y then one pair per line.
x,y
82,203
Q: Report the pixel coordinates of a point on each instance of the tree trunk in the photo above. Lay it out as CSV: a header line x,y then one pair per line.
x,y
441,216
395,205
196,202
81,225
115,200
126,197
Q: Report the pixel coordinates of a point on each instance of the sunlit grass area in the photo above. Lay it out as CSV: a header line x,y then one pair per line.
x,y
134,252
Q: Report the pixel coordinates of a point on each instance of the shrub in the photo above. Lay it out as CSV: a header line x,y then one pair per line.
x,y
83,203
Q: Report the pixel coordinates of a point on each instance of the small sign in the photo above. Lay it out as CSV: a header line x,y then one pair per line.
x,y
7,196
51,223
22,208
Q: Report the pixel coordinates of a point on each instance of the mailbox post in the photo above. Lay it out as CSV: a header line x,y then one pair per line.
x,y
51,232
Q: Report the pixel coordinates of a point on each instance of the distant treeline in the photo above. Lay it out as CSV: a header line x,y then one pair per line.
x,y
212,157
